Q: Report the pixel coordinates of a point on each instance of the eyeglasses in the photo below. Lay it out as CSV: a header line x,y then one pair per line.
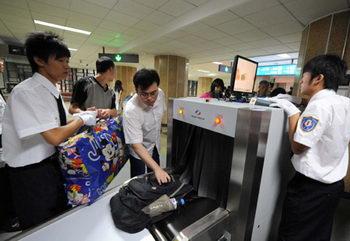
x,y
146,95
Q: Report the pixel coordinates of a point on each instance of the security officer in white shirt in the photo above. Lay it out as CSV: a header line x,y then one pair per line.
x,y
142,123
34,123
319,139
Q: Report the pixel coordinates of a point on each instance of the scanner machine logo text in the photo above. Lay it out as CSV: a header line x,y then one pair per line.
x,y
197,115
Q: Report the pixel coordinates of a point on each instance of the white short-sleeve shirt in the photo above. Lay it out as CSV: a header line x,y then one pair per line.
x,y
142,124
31,110
324,127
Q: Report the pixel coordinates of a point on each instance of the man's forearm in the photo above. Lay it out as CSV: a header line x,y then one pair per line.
x,y
142,152
293,122
58,135
296,147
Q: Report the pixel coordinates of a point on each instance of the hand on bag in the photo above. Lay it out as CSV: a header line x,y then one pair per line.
x,y
294,99
286,105
103,113
88,117
93,108
162,176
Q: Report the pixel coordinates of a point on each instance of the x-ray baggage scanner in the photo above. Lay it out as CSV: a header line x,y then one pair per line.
x,y
237,158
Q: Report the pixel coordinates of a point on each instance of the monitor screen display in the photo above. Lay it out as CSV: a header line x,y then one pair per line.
x,y
243,75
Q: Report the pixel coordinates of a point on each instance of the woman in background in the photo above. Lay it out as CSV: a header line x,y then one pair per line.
x,y
217,89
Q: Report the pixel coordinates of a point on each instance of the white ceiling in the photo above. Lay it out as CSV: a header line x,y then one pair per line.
x,y
200,30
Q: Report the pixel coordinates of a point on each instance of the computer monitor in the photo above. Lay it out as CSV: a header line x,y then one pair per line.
x,y
243,75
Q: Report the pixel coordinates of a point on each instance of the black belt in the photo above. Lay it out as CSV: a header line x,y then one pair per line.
x,y
51,159
301,177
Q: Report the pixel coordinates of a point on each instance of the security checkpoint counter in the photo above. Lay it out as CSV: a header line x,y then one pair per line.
x,y
88,223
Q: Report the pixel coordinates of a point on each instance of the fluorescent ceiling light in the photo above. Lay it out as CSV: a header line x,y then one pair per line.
x,y
285,56
203,71
217,63
71,49
62,27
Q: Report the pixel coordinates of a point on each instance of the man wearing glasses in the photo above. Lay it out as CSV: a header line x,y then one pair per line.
x,y
142,123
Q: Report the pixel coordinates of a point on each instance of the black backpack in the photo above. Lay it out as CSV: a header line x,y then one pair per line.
x,y
127,204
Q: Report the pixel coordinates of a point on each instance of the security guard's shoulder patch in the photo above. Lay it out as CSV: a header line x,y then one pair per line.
x,y
308,123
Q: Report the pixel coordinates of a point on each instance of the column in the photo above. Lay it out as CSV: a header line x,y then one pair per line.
x,y
173,75
327,35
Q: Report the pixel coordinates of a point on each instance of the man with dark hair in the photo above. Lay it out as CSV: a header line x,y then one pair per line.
x,y
277,91
263,89
319,140
142,123
34,124
93,93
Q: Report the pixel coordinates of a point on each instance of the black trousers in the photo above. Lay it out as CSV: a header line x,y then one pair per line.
x,y
6,205
138,167
38,192
308,210
7,211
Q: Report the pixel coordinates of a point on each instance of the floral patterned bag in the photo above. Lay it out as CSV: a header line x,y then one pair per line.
x,y
91,159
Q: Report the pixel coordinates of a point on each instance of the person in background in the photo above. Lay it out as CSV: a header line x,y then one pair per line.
x,y
263,89
228,92
8,220
118,90
319,139
290,92
272,84
277,91
2,101
142,119
34,124
217,89
93,93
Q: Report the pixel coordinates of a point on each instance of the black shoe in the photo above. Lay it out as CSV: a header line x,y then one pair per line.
x,y
12,225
